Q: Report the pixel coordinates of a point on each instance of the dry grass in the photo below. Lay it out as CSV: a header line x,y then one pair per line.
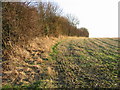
x,y
32,62
26,62
50,71
26,59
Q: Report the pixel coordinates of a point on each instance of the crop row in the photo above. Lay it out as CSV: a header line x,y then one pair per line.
x,y
87,63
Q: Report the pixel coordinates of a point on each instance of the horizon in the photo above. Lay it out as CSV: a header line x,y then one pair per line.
x,y
99,17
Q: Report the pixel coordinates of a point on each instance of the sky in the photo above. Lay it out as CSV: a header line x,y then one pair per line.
x,y
100,17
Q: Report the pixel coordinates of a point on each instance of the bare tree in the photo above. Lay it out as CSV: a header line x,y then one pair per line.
x,y
73,20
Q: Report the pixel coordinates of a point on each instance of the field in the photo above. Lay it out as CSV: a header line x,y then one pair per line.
x,y
78,63
87,62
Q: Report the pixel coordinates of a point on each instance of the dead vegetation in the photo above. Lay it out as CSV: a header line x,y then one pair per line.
x,y
65,62
32,54
28,33
27,62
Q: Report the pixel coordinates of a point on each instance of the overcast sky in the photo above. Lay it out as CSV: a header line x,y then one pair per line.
x,y
100,17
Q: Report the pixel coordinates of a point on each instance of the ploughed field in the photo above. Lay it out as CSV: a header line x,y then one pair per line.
x,y
87,62
72,63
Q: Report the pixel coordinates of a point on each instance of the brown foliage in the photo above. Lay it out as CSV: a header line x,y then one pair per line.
x,y
19,22
22,22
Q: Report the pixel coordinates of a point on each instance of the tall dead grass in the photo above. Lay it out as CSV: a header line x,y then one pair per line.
x,y
20,56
